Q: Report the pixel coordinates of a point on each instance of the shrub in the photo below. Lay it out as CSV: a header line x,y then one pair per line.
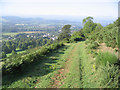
x,y
86,42
109,76
15,63
94,45
106,35
104,57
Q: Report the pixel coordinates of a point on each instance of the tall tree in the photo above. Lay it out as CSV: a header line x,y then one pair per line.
x,y
77,36
65,34
87,19
89,25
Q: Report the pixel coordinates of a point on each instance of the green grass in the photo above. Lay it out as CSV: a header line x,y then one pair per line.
x,y
98,75
72,79
104,57
37,74
18,52
88,69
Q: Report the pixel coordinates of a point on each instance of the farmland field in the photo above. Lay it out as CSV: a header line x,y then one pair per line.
x,y
11,34
31,32
17,51
15,33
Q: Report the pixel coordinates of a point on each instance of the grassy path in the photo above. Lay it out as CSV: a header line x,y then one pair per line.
x,y
72,75
78,70
69,75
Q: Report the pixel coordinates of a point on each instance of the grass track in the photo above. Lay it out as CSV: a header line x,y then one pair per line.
x,y
71,73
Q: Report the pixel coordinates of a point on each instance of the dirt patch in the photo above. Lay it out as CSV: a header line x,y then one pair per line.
x,y
104,48
57,79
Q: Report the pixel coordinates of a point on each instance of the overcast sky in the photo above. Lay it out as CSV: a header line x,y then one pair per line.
x,y
60,7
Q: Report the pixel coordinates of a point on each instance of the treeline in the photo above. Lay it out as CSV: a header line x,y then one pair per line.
x,y
92,32
22,42
89,28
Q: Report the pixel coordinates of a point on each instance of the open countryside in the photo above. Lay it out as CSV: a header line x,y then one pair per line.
x,y
85,59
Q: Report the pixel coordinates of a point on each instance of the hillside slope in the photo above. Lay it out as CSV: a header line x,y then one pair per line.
x,y
71,66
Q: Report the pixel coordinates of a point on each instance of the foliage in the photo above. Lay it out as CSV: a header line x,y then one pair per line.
x,y
93,45
98,75
14,52
3,55
39,73
13,63
107,35
104,57
88,71
109,76
23,42
98,27
89,26
65,34
77,36
89,18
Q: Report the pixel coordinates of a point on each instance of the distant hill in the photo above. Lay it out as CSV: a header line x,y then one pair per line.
x,y
104,20
16,19
18,24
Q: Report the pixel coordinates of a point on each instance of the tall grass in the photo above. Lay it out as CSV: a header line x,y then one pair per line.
x,y
104,57
100,71
107,70
109,76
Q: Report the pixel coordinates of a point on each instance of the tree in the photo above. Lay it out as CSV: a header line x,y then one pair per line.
x,y
98,27
87,19
117,23
77,36
24,46
65,34
89,25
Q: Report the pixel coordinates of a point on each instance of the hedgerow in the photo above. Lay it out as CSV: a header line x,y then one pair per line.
x,y
15,63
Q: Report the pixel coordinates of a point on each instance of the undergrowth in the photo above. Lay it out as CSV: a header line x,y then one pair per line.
x,y
104,57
